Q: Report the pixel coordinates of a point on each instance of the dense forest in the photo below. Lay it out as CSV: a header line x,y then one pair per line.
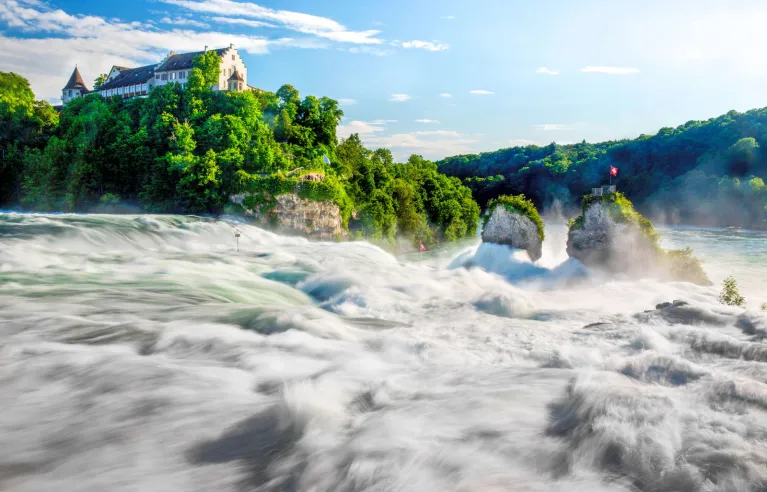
x,y
701,173
189,149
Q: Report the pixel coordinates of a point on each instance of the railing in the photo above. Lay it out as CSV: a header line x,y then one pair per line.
x,y
603,190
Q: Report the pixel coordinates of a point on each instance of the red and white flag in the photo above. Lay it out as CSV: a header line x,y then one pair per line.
x,y
421,247
613,171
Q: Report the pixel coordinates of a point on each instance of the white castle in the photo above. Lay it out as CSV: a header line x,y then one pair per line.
x,y
176,67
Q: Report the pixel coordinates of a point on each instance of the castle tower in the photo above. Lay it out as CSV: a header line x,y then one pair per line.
x,y
75,87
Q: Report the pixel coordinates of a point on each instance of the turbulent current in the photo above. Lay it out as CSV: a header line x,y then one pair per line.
x,y
146,353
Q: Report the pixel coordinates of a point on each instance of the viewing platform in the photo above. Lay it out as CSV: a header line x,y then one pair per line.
x,y
604,190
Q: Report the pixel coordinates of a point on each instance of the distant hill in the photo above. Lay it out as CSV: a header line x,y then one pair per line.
x,y
700,173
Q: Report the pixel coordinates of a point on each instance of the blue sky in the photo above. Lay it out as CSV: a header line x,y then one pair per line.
x,y
432,77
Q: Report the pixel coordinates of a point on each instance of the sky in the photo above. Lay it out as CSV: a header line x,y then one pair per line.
x,y
432,77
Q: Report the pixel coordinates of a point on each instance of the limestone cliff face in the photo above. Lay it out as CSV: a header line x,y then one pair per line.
x,y
514,230
295,215
602,242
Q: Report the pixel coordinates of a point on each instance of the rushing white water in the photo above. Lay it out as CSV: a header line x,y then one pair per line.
x,y
144,353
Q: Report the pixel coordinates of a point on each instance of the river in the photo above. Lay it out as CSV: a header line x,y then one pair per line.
x,y
145,353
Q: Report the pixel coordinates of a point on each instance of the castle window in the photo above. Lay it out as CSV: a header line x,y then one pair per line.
x,y
233,58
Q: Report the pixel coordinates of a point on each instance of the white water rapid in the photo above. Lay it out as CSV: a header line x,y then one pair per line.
x,y
145,353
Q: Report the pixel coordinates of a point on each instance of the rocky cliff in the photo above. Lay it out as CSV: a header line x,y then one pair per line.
x,y
514,229
291,214
611,235
600,240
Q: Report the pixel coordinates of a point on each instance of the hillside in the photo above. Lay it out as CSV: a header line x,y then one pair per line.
x,y
700,173
189,149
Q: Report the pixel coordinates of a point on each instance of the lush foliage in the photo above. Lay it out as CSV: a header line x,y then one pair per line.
x,y
730,295
25,126
519,204
703,172
189,149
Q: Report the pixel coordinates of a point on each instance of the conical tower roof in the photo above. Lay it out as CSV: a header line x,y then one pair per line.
x,y
76,81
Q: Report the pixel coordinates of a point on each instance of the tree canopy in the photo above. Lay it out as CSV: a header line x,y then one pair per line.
x,y
187,149
703,172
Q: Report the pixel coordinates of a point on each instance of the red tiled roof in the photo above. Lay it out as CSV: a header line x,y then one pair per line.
x,y
76,81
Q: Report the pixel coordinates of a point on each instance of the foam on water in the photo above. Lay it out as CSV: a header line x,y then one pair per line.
x,y
144,353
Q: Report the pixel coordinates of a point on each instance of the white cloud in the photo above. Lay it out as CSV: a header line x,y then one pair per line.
x,y
552,127
180,21
432,145
521,142
241,22
346,102
445,94
428,121
369,50
481,92
610,70
448,17
296,21
400,97
547,71
362,127
426,45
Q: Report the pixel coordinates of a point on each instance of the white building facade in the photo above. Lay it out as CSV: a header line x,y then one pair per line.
x,y
175,68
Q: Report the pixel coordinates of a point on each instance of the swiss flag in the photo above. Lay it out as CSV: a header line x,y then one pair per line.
x,y
421,247
613,171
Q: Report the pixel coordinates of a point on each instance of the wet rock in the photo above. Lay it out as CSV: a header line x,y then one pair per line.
x,y
684,313
292,214
600,241
514,230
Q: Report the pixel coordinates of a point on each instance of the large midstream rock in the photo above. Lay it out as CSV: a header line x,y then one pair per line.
x,y
513,229
292,214
600,241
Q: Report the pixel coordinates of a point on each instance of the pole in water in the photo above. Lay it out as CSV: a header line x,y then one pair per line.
x,y
237,238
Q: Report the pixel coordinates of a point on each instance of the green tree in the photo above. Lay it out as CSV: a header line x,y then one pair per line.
x,y
730,295
99,81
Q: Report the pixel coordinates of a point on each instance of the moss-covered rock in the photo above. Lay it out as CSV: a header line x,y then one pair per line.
x,y
515,222
610,234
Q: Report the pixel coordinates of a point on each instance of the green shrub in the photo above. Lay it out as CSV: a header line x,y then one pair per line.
x,y
518,204
730,296
684,266
109,199
763,307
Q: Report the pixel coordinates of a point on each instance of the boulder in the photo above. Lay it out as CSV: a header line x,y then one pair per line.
x,y
514,230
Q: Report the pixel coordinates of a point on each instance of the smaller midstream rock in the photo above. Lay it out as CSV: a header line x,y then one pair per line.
x,y
514,230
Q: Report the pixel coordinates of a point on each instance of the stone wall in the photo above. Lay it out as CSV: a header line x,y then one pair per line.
x,y
294,215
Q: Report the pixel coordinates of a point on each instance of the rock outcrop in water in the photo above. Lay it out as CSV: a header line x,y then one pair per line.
x,y
292,214
611,235
514,222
